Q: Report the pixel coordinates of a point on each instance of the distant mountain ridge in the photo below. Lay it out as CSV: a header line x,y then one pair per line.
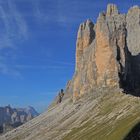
x,y
100,102
13,117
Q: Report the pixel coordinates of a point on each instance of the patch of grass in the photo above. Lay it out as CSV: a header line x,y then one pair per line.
x,y
123,127
103,128
103,131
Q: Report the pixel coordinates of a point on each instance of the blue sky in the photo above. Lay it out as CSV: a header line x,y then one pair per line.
x,y
37,46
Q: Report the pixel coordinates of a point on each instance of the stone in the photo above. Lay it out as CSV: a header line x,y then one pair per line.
x,y
107,52
14,117
112,10
133,30
84,38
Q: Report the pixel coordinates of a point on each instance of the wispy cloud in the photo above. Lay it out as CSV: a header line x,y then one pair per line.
x,y
37,11
21,25
5,69
41,67
5,40
48,59
14,29
59,12
14,25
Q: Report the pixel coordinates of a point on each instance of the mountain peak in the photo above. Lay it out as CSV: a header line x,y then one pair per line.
x,y
112,9
84,39
13,117
107,52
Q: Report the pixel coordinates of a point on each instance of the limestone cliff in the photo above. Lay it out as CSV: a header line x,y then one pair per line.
x,y
107,53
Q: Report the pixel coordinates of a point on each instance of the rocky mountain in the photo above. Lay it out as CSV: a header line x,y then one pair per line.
x,y
107,53
14,117
101,102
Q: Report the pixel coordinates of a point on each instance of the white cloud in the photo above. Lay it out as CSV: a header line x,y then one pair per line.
x,y
5,36
14,25
42,67
5,69
21,30
59,12
14,29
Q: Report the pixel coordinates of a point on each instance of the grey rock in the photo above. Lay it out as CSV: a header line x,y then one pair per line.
x,y
112,57
12,117
133,30
112,10
85,37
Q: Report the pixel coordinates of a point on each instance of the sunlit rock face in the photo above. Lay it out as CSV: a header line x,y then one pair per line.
x,y
85,37
107,53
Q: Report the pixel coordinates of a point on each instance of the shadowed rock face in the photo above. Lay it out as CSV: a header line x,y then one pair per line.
x,y
107,53
134,134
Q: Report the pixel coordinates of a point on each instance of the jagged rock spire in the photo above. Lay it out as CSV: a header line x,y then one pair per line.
x,y
112,10
84,39
105,52
133,30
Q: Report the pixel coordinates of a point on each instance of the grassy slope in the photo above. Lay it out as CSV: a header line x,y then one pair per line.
x,y
117,116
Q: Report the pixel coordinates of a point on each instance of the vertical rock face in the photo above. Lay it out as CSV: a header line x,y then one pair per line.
x,y
107,53
133,42
84,38
112,10
133,30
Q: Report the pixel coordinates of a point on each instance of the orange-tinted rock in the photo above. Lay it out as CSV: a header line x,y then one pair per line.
x,y
84,39
112,10
104,53
96,63
105,60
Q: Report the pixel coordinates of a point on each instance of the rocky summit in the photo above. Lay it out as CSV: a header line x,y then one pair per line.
x,y
107,53
13,117
101,101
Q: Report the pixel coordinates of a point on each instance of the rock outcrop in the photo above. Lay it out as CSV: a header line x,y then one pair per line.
x,y
107,53
133,30
85,37
13,117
